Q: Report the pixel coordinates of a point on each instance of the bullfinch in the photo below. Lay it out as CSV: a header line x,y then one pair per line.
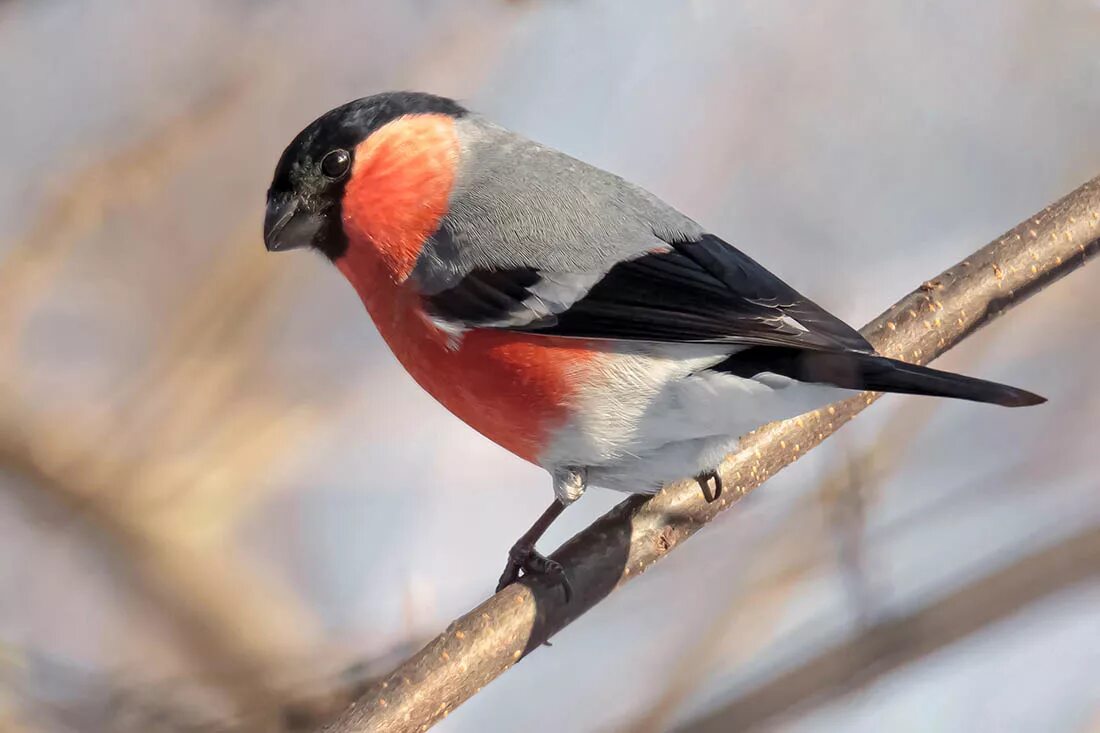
x,y
564,313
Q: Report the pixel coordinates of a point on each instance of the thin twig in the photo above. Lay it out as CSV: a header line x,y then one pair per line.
x,y
480,646
897,641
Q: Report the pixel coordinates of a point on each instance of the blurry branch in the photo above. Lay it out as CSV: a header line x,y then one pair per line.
x,y
30,680
480,646
12,719
165,486
177,582
1093,724
897,641
163,469
104,704
846,510
320,701
79,208
751,617
846,493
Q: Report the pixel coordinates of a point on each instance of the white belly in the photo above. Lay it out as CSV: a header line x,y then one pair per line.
x,y
651,413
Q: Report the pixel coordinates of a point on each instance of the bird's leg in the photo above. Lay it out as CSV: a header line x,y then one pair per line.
x,y
704,480
523,556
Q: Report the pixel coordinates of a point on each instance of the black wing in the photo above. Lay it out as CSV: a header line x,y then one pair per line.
x,y
702,292
696,292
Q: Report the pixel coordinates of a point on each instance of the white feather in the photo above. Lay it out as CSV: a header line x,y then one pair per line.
x,y
653,413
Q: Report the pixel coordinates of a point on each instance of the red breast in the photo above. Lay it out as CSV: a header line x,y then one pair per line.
x,y
515,389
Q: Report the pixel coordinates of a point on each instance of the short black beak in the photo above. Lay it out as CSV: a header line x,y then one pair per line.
x,y
287,225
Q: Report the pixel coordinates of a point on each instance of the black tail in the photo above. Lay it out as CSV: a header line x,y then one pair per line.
x,y
854,370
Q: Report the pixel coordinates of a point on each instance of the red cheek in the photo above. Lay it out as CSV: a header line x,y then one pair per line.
x,y
399,189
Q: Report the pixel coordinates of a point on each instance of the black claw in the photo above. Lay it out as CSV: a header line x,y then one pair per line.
x,y
704,480
509,576
528,561
566,586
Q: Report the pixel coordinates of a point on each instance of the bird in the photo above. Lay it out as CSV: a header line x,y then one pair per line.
x,y
566,314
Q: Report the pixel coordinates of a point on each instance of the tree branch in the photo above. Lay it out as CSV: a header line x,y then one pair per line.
x,y
478,647
895,642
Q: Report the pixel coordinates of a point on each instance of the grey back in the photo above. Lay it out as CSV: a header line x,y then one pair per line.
x,y
519,204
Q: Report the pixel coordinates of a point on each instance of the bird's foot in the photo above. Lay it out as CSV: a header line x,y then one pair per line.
x,y
704,480
526,559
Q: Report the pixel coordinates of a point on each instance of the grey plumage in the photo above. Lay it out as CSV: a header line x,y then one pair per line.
x,y
499,217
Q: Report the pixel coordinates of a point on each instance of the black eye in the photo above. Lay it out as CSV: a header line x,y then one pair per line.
x,y
335,164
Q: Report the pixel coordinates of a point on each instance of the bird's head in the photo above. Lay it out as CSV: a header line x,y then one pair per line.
x,y
375,172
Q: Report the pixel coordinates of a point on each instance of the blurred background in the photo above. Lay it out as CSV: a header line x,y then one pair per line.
x,y
222,500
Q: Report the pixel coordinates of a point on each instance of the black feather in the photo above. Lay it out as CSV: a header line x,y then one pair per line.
x,y
701,292
854,370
